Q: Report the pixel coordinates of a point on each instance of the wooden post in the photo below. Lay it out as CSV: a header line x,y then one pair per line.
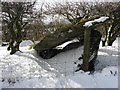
x,y
86,53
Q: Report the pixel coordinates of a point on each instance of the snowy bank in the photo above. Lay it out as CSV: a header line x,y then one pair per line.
x,y
26,43
27,70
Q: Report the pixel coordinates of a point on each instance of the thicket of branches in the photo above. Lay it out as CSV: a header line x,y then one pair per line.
x,y
21,18
78,11
16,16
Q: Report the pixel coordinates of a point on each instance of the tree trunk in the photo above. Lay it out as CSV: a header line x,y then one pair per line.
x,y
111,40
110,43
16,37
17,46
12,37
106,34
103,43
12,47
86,54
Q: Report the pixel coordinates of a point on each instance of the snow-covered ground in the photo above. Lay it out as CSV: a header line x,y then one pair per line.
x,y
27,70
0,36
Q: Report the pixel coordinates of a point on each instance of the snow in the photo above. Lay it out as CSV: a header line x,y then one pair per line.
x,y
0,37
26,43
66,43
70,31
27,70
90,23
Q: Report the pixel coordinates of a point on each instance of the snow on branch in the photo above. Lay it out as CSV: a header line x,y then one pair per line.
x,y
90,23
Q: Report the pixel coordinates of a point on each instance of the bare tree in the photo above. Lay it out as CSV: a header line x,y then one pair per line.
x,y
79,11
72,11
36,24
16,16
110,30
115,26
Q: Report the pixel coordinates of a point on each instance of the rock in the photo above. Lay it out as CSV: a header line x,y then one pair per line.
x,y
49,53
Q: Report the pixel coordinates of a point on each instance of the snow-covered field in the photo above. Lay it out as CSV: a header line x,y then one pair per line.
x,y
27,70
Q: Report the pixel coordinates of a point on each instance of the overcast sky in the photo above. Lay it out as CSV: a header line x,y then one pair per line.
x,y
52,1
